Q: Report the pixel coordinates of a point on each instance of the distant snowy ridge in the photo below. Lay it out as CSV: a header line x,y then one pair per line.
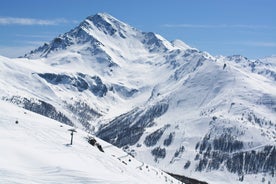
x,y
169,105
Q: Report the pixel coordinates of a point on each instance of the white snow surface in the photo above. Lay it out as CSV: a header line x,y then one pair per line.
x,y
38,150
196,85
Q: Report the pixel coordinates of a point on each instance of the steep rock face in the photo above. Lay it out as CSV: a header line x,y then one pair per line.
x,y
40,107
123,91
84,114
92,34
168,141
165,103
265,67
81,82
226,152
219,120
154,44
154,137
103,25
253,162
158,153
128,128
76,36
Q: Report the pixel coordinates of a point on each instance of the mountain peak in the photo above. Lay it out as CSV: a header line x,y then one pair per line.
x,y
104,16
100,34
237,58
106,23
178,107
100,18
180,44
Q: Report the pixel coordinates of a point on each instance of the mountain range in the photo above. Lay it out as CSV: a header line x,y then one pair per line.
x,y
163,102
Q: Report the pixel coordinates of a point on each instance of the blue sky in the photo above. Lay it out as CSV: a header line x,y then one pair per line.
x,y
220,27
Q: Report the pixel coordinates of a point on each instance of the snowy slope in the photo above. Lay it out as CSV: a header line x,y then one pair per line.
x,y
37,150
205,121
169,105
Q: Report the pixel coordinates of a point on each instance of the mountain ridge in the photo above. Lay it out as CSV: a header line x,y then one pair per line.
x,y
166,103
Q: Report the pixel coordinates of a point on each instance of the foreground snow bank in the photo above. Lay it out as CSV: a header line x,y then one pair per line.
x,y
37,150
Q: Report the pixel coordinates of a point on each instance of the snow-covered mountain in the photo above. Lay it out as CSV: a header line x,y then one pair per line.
x,y
167,104
36,149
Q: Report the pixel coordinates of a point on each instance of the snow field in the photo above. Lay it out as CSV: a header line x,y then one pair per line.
x,y
37,150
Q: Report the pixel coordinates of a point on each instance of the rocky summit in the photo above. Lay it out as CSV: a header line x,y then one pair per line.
x,y
212,118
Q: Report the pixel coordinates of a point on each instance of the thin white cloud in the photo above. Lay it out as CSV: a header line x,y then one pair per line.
x,y
31,21
216,26
22,48
37,36
35,43
16,51
255,44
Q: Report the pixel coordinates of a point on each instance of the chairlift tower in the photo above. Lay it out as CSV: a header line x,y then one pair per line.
x,y
72,133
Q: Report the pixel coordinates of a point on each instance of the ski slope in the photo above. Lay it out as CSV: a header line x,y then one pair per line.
x,y
38,150
161,101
